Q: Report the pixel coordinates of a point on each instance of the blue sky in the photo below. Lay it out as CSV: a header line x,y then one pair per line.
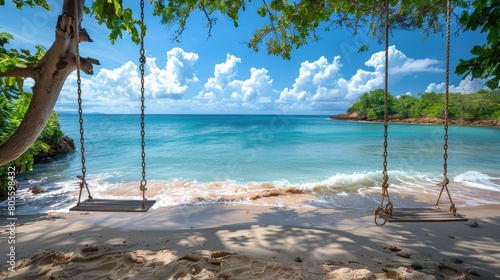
x,y
221,74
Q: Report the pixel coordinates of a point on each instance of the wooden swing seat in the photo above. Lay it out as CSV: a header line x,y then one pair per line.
x,y
110,205
418,215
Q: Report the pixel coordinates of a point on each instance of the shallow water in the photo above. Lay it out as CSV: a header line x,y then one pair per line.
x,y
274,160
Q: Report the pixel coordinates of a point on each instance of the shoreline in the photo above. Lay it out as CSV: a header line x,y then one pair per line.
x,y
423,120
298,243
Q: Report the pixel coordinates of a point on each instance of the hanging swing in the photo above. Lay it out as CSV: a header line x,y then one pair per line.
x,y
387,213
110,205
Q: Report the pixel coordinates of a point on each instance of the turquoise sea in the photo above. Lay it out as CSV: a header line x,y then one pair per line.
x,y
276,160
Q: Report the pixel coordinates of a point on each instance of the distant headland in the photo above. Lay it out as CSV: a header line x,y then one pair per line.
x,y
474,109
354,116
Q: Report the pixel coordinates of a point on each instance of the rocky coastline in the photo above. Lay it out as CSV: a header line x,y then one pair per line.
x,y
424,120
65,146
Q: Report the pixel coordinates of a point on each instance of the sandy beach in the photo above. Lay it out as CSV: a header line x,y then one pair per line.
x,y
250,242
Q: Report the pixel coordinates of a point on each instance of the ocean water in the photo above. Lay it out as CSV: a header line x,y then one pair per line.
x,y
275,160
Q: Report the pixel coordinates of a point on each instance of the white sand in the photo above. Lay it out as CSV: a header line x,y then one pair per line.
x,y
250,242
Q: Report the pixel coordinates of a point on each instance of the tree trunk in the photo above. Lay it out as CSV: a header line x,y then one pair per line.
x,y
49,75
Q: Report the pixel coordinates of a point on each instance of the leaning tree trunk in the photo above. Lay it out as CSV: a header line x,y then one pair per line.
x,y
49,75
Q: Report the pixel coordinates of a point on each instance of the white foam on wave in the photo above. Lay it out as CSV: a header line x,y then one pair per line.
x,y
478,180
356,190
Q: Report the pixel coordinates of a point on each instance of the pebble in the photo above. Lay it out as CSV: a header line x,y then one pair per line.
x,y
417,266
474,224
36,190
472,271
404,254
394,248
297,259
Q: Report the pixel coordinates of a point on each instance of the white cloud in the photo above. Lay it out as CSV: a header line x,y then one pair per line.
x,y
118,90
319,85
467,85
399,65
224,73
316,81
173,80
224,90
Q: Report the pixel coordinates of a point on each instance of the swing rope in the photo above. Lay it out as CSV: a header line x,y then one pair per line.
x,y
385,184
445,182
387,211
142,61
76,32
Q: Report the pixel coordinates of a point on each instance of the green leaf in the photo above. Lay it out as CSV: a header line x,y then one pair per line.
x,y
493,83
477,50
262,12
363,48
118,8
21,65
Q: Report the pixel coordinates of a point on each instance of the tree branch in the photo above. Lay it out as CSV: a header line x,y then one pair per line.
x,y
50,75
28,72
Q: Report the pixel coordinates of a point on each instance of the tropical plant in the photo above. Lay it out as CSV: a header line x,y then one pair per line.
x,y
14,103
482,105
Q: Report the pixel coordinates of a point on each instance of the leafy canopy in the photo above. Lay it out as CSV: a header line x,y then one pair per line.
x,y
486,63
292,24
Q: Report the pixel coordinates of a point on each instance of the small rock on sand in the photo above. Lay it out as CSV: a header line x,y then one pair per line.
x,y
346,273
474,224
404,254
407,274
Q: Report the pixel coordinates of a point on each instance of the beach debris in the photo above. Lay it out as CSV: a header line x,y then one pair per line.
x,y
406,273
417,266
456,260
220,254
474,224
297,259
472,271
191,257
347,273
335,263
450,273
451,236
394,248
36,190
403,254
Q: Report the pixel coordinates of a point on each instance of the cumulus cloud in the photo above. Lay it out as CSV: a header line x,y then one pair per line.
x,y
316,81
320,86
399,65
224,73
172,81
224,89
467,85
118,90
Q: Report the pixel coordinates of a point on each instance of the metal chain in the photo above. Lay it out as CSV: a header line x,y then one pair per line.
x,y
445,181
142,60
76,31
385,184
